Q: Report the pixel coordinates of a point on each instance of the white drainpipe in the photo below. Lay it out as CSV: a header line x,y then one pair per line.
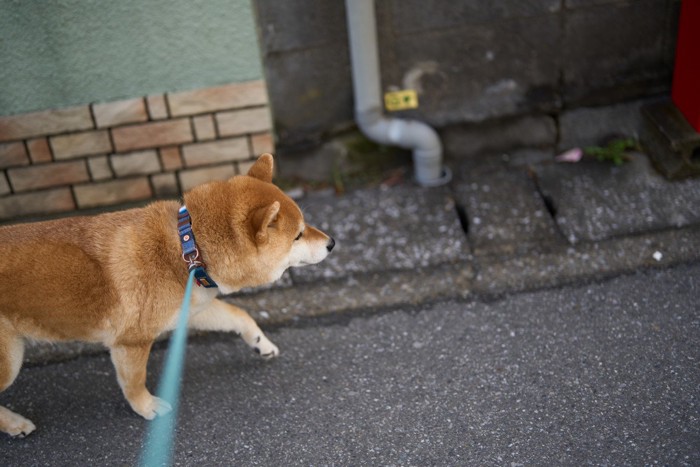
x,y
408,134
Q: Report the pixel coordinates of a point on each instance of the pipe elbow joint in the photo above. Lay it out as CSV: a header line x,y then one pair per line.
x,y
408,134
422,139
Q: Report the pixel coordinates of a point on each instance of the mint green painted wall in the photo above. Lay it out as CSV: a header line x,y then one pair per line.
x,y
59,53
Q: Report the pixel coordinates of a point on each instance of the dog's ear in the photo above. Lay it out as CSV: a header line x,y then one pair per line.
x,y
263,219
262,169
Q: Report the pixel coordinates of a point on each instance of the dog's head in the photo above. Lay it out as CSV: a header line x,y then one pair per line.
x,y
250,231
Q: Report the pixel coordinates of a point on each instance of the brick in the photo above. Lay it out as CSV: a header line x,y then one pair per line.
x,y
13,154
230,96
322,97
238,122
120,112
151,135
597,62
165,185
204,127
38,202
503,135
503,227
571,4
45,123
157,108
242,168
112,192
215,152
99,168
39,150
596,201
418,15
80,144
590,126
4,185
262,143
193,177
170,158
488,54
135,163
326,24
48,175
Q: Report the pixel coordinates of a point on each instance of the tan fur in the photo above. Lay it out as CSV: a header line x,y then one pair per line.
x,y
118,278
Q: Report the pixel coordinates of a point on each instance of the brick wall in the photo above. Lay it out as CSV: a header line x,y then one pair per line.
x,y
138,149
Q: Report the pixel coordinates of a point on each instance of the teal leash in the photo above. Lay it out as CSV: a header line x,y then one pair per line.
x,y
158,448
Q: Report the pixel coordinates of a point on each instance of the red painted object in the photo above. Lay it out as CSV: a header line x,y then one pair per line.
x,y
686,74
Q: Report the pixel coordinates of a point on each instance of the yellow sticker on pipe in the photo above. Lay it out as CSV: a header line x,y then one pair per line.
x,y
401,100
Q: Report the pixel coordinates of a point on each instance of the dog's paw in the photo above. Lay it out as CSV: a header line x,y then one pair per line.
x,y
16,425
155,407
265,348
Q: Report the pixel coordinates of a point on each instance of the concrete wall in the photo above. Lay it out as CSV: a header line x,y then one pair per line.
x,y
62,53
472,61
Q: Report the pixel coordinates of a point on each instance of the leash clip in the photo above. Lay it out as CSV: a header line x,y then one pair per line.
x,y
192,259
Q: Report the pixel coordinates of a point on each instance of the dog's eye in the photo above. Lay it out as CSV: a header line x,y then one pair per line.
x,y
299,236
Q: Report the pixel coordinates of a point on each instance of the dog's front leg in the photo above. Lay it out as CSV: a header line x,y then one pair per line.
x,y
221,316
130,362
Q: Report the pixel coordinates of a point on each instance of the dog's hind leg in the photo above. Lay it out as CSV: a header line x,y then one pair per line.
x,y
221,316
11,353
130,361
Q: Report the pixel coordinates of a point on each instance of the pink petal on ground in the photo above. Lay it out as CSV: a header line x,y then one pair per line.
x,y
572,155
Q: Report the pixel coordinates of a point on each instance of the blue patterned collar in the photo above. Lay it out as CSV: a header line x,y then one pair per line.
x,y
190,253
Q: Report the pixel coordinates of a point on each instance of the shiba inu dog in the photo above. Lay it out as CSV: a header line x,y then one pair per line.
x,y
119,278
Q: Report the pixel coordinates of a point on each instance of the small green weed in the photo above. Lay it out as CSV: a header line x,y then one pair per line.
x,y
616,151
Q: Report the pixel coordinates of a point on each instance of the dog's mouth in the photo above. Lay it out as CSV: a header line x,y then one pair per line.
x,y
306,262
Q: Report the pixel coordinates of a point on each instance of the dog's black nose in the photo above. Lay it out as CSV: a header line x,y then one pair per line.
x,y
330,245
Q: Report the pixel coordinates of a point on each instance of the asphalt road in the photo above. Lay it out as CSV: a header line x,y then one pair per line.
x,y
602,373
